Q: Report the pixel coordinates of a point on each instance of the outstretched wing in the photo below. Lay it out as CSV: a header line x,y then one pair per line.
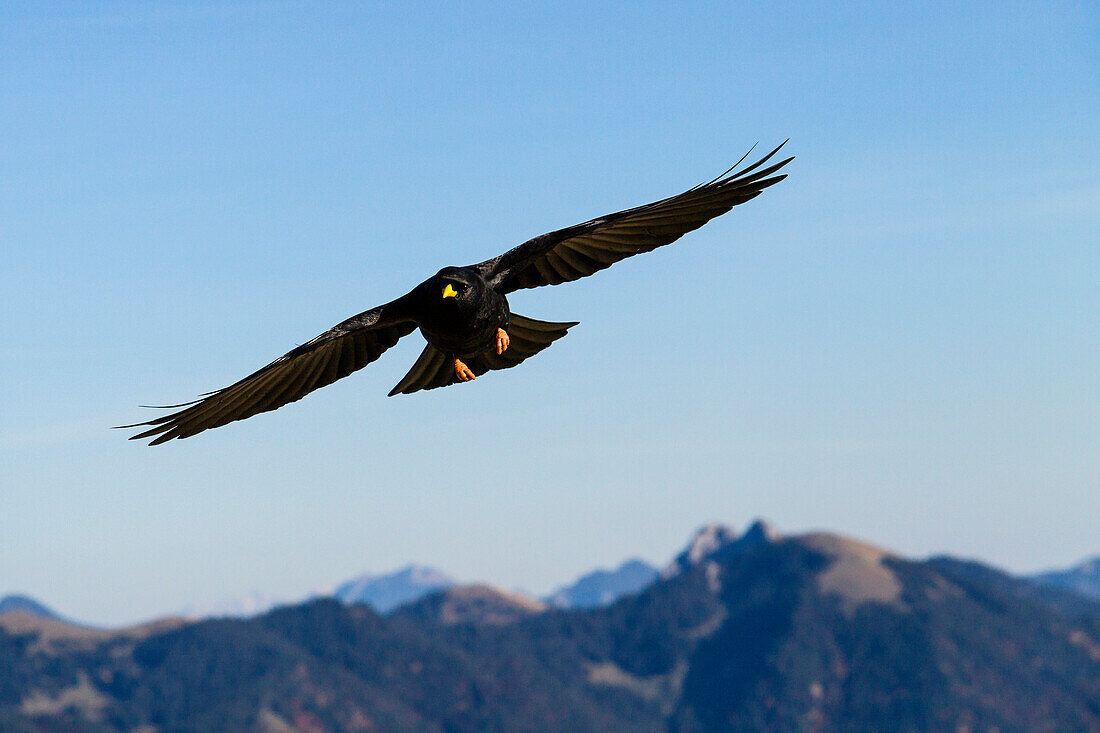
x,y
572,253
333,355
435,369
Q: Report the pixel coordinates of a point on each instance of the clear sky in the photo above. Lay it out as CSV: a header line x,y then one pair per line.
x,y
900,342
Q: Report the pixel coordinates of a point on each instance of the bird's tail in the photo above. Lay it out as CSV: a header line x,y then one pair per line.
x,y
527,337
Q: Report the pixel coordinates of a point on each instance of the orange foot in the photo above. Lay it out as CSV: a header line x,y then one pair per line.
x,y
463,372
502,341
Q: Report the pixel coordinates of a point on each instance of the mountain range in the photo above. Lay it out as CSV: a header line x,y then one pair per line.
x,y
385,592
813,632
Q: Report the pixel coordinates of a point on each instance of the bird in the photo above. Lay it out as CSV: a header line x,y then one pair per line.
x,y
463,312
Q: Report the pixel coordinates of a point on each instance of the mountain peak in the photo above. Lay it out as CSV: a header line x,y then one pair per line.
x,y
760,531
603,587
26,604
718,539
856,573
479,604
707,540
386,592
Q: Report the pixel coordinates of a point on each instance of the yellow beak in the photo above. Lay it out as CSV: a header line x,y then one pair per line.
x,y
449,291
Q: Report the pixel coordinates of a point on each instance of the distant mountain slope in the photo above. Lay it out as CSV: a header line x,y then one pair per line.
x,y
383,592
26,604
1083,578
472,604
827,633
601,587
386,592
817,632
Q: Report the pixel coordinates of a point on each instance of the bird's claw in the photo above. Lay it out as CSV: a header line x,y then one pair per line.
x,y
463,372
502,341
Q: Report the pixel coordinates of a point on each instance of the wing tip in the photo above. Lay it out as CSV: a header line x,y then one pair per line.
x,y
161,434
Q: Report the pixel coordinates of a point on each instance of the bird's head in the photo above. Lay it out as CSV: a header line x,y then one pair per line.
x,y
455,285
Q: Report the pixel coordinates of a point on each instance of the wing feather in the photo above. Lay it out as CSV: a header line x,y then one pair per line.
x,y
333,355
581,250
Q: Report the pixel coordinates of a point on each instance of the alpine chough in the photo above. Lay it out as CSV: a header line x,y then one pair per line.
x,y
463,313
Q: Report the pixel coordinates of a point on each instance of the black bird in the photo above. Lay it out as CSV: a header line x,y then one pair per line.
x,y
462,311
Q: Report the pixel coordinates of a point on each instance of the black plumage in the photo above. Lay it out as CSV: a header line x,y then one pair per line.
x,y
463,312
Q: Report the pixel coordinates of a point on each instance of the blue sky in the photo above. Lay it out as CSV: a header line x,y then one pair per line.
x,y
898,342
